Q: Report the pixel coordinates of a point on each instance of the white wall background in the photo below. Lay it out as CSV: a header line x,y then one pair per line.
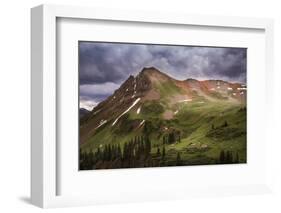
x,y
15,104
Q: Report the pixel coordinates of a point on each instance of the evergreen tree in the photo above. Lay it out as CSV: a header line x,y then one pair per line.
x,y
98,154
158,151
91,158
119,152
163,152
145,128
222,156
178,162
237,157
229,157
171,137
112,148
142,148
104,154
147,146
225,124
125,151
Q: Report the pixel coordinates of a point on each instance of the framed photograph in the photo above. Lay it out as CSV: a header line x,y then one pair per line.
x,y
145,105
149,106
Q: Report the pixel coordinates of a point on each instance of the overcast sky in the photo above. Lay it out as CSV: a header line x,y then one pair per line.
x,y
103,67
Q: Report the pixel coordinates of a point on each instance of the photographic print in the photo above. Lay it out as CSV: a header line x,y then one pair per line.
x,y
152,105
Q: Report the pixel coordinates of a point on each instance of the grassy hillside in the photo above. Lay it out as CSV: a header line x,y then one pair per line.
x,y
206,129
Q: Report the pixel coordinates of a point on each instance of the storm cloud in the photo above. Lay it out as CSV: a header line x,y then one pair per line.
x,y
103,67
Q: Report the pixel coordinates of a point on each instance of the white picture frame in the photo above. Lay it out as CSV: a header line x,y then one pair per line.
x,y
44,155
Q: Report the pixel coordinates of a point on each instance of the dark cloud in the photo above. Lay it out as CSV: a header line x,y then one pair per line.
x,y
104,66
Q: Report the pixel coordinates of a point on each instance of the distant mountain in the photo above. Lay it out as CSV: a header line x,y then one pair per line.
x,y
155,101
83,112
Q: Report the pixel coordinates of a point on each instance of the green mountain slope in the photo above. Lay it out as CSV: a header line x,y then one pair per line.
x,y
181,122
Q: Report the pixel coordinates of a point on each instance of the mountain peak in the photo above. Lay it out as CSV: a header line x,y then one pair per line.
x,y
149,69
153,75
153,72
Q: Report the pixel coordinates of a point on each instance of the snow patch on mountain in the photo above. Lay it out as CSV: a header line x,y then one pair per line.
x,y
141,123
135,102
102,122
185,100
97,111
